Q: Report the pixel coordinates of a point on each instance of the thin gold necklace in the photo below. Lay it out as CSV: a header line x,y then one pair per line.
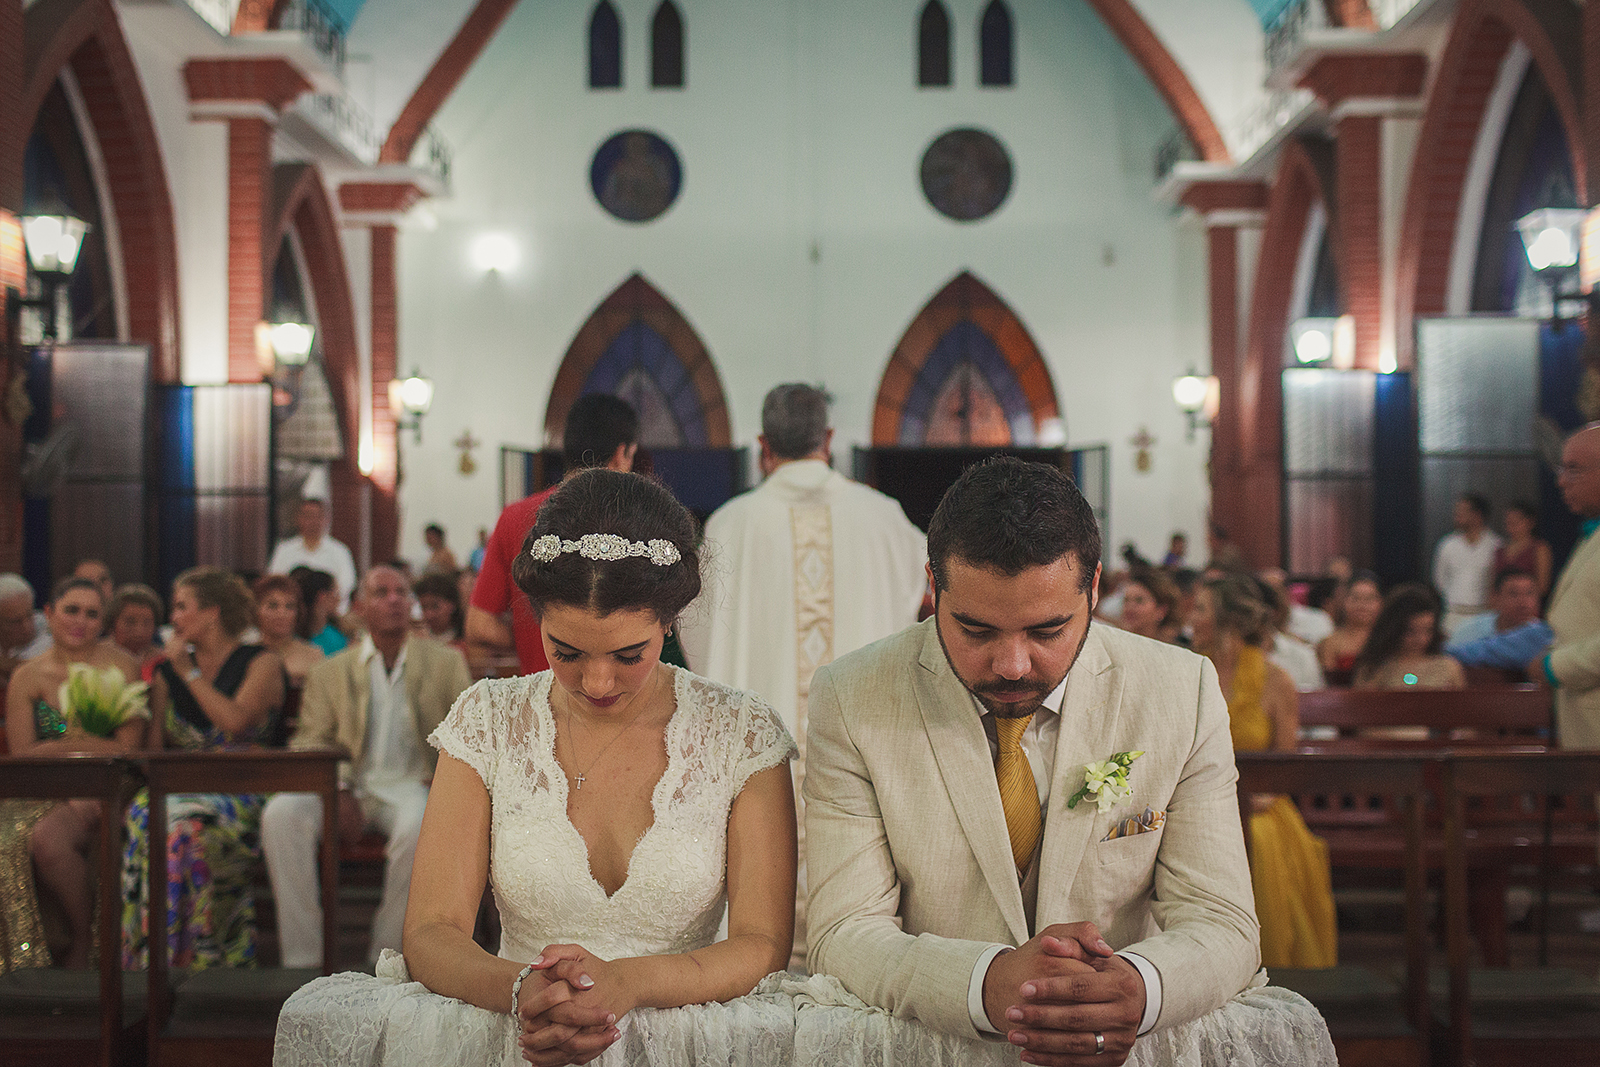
x,y
582,775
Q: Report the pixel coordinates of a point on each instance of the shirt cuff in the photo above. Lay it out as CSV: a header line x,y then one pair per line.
x,y
1152,990
980,1018
1549,675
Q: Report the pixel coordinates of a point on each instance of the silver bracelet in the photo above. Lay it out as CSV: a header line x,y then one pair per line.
x,y
516,988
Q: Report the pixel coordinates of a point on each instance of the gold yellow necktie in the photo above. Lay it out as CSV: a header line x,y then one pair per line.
x,y
1019,795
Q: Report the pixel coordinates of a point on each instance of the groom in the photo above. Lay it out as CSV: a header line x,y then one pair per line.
x,y
946,813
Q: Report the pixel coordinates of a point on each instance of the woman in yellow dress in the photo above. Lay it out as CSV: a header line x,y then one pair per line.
x,y
1289,871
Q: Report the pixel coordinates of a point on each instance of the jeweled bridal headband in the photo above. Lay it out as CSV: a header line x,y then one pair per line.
x,y
604,547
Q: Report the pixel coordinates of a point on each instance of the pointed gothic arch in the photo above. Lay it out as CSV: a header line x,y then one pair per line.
x,y
667,47
966,372
637,345
933,46
605,47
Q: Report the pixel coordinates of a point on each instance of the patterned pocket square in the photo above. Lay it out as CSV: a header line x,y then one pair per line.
x,y
1150,821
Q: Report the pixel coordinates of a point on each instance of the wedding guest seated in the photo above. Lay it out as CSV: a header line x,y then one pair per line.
x,y
440,559
319,592
132,623
1522,549
613,802
378,700
24,632
1292,877
55,838
1297,659
1359,606
1511,634
211,692
439,595
279,615
1403,648
1307,623
1149,600
98,572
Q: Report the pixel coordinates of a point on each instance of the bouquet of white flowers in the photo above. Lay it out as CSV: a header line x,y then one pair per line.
x,y
99,702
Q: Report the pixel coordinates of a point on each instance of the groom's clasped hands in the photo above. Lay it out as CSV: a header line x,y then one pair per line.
x,y
1054,994
571,1016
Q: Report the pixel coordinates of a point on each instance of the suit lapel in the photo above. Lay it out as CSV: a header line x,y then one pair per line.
x,y
1089,718
956,735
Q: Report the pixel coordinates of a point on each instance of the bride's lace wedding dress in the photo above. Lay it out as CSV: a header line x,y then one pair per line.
x,y
672,901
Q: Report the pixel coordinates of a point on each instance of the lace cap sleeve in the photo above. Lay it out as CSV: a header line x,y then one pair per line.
x,y
763,741
471,733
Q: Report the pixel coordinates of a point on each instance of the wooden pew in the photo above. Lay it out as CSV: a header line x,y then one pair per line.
x,y
1542,806
1371,1020
229,1015
1496,715
49,1015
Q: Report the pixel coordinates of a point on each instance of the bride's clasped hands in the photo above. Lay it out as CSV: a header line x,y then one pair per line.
x,y
571,1017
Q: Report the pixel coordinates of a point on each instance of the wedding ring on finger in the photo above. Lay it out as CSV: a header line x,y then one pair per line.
x,y
1099,1043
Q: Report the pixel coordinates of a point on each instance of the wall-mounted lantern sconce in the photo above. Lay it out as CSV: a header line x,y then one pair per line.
x,y
1552,239
1197,397
53,240
409,399
291,342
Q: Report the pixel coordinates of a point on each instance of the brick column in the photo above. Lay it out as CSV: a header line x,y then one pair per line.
x,y
248,94
379,205
13,270
1361,91
1230,207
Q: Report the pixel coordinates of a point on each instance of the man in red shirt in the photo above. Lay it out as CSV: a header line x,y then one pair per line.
x,y
601,431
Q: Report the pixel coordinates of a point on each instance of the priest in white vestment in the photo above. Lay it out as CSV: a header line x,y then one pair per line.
x,y
802,569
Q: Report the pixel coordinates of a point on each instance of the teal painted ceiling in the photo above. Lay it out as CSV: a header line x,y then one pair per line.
x,y
345,11
1268,11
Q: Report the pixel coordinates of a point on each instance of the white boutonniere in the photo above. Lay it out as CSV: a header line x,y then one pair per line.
x,y
1106,781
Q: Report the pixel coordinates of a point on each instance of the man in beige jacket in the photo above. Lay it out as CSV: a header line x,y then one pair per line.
x,y
1572,665
947,812
378,700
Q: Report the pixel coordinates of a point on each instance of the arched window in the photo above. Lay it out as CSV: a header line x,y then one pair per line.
x,y
995,45
638,346
933,46
605,47
965,373
666,47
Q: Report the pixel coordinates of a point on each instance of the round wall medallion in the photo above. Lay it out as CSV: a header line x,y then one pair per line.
x,y
635,175
966,174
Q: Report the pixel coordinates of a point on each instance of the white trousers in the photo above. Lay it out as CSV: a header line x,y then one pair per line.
x,y
291,827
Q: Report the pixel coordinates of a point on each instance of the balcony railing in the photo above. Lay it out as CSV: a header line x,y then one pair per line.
x,y
344,121
438,155
320,23
1294,22
1261,123
1174,149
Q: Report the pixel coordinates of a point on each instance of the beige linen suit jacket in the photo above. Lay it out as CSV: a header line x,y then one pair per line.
x,y
1575,658
338,694
911,869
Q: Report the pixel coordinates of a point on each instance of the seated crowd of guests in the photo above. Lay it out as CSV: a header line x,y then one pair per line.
x,y
233,664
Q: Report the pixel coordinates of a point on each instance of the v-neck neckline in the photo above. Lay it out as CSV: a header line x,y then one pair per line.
x,y
564,788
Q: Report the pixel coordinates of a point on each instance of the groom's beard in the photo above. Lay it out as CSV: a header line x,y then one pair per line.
x,y
1038,686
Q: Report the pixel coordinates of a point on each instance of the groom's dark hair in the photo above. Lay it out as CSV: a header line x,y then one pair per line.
x,y
1007,515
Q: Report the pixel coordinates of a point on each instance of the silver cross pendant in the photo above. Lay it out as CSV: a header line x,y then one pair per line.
x,y
580,780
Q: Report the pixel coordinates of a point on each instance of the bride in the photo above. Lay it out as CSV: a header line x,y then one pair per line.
x,y
613,803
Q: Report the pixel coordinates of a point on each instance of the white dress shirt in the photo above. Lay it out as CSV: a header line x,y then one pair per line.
x,y
329,555
1038,744
393,752
1463,572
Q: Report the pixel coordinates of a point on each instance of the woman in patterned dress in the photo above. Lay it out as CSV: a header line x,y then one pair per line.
x,y
215,693
55,837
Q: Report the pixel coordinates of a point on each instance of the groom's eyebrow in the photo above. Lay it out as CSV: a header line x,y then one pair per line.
x,y
979,624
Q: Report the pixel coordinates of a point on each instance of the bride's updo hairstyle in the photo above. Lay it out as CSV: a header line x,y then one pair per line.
x,y
633,508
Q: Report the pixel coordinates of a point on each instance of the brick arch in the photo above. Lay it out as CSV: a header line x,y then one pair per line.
x,y
637,301
443,77
1482,33
1166,75
255,16
1246,440
1354,14
301,203
964,299
85,37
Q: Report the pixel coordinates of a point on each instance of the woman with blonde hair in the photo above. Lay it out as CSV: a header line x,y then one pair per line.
x,y
1291,873
211,692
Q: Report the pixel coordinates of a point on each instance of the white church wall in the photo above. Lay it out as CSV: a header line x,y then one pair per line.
x,y
195,156
801,246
